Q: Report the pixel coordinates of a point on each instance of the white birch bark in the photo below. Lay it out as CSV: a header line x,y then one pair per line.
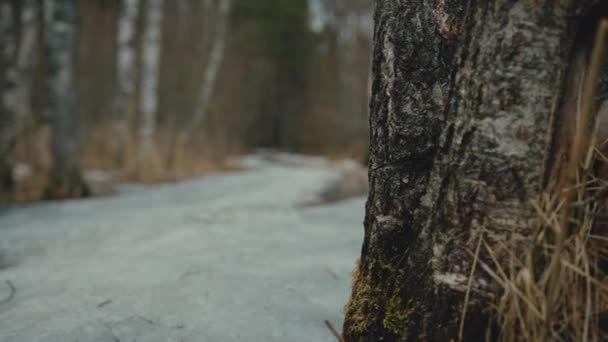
x,y
66,178
216,57
151,50
8,64
126,69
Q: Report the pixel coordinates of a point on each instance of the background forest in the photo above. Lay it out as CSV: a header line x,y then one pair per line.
x,y
221,147
154,90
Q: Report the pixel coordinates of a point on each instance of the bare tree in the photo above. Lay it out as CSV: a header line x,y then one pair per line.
x,y
28,43
151,54
350,22
8,86
66,178
126,68
465,134
216,55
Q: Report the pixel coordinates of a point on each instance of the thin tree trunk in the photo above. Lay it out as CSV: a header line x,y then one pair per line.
x,y
30,16
126,68
461,105
216,57
183,25
349,20
66,178
8,96
151,54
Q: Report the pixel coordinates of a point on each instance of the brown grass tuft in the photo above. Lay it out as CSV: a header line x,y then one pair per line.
x,y
553,282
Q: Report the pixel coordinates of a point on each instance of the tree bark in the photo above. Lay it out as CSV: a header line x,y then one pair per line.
x,y
66,179
126,68
462,107
151,54
8,103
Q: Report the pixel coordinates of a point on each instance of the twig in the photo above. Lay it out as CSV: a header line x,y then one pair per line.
x,y
331,273
334,331
147,320
104,303
469,286
11,295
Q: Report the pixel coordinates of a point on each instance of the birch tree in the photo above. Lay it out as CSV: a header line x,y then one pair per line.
x,y
8,66
216,56
151,54
26,59
465,134
66,178
126,68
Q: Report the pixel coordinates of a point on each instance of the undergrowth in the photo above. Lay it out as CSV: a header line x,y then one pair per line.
x,y
552,279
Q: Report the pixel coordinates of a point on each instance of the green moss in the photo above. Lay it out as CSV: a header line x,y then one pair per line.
x,y
365,302
385,265
397,317
362,302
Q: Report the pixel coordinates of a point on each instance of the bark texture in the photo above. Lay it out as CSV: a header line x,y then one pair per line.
x,y
463,98
8,104
66,179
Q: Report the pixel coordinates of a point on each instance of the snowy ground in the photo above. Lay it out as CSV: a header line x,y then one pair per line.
x,y
231,257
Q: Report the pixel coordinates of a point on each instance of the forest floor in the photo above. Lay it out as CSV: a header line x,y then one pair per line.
x,y
239,256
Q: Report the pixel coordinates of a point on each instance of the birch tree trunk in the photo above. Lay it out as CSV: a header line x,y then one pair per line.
x,y
126,67
462,104
8,77
151,50
66,180
216,57
30,15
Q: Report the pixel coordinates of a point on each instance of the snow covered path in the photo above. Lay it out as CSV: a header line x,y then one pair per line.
x,y
229,257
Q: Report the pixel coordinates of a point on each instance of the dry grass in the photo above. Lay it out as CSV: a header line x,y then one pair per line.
x,y
33,158
553,286
172,162
174,159
553,282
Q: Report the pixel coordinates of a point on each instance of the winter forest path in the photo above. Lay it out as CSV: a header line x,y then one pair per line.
x,y
228,257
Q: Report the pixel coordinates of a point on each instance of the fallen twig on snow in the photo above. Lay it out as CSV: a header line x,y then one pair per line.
x,y
334,331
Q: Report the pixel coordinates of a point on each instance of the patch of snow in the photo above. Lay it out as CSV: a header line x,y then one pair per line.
x,y
228,257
